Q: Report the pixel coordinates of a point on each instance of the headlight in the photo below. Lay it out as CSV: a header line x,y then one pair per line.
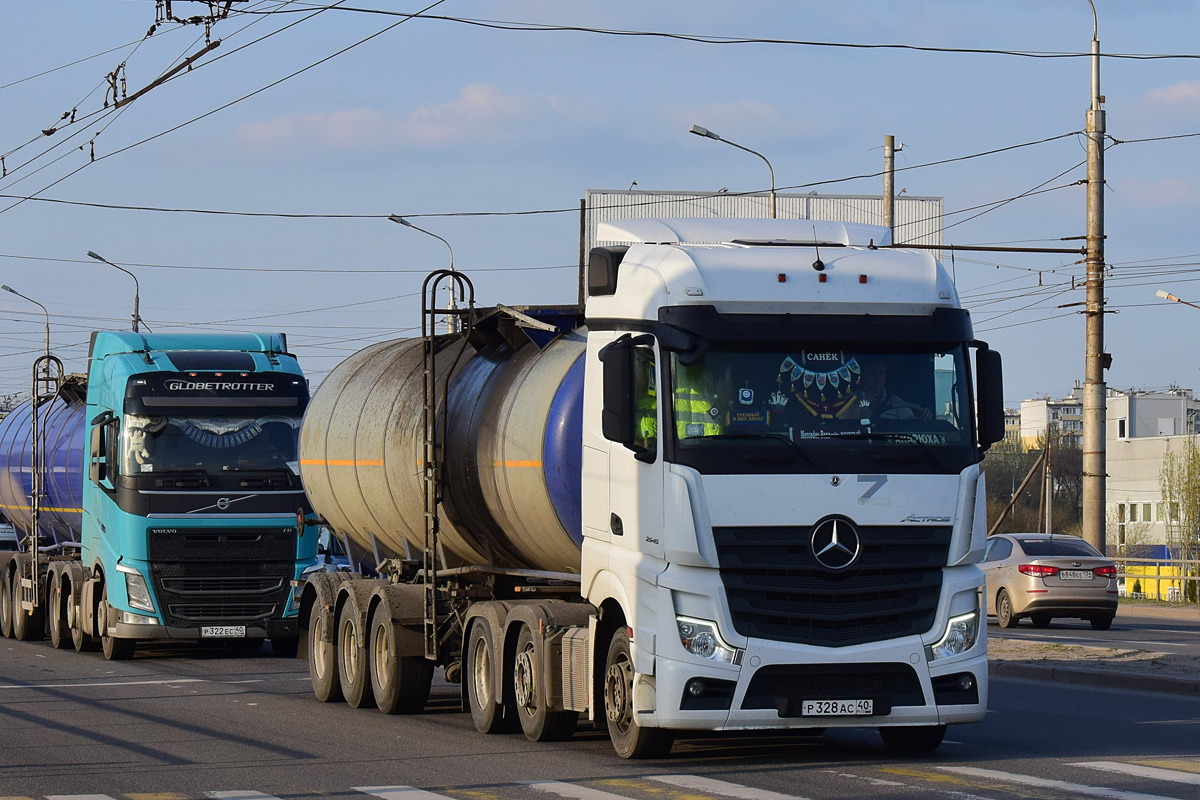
x,y
701,638
135,588
961,634
297,591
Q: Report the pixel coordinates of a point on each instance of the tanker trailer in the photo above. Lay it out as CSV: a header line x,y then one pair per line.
x,y
169,504
740,488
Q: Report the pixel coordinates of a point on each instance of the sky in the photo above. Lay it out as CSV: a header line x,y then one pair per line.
x,y
437,120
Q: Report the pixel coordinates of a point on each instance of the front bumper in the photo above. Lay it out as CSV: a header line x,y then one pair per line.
x,y
271,629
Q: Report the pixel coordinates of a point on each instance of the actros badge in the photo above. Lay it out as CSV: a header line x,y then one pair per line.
x,y
835,543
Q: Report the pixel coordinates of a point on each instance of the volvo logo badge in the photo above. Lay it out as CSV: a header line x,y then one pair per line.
x,y
223,503
835,543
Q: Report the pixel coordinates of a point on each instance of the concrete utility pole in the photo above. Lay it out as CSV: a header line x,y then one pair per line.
x,y
1094,389
889,184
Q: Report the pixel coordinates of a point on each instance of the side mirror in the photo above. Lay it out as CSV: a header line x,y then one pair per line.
x,y
990,402
617,417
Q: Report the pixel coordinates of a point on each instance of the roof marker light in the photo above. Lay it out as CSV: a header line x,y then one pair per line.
x,y
822,278
781,277
862,278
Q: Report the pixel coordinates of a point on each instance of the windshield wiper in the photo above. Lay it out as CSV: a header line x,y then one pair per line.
x,y
896,436
775,436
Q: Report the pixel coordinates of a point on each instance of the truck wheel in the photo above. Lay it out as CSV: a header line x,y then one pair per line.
x,y
81,640
115,648
539,723
400,684
353,671
27,626
629,739
913,738
487,712
322,656
285,646
1004,610
56,614
6,615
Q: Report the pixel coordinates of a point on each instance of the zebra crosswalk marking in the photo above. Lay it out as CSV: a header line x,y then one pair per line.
x,y
400,793
572,791
1142,771
1050,783
722,788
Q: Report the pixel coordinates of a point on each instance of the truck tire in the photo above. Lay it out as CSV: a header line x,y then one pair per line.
x,y
353,670
322,656
529,688
56,614
400,684
913,738
487,711
115,648
6,606
27,626
629,739
1004,610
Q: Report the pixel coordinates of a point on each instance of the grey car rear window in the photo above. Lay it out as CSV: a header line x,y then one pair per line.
x,y
1057,547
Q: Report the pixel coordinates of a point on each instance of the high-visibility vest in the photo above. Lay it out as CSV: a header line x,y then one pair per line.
x,y
647,407
693,414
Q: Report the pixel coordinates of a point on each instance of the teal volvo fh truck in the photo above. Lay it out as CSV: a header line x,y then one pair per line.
x,y
158,496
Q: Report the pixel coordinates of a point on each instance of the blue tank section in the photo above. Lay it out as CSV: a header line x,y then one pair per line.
x,y
562,455
62,510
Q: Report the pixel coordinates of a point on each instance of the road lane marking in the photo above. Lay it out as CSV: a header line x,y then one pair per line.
x,y
570,790
1171,763
723,788
78,797
399,793
1141,771
156,796
239,794
84,685
1050,783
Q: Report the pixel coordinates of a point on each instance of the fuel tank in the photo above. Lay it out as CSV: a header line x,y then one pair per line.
x,y
512,458
62,418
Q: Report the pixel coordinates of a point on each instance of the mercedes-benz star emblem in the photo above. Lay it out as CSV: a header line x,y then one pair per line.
x,y
835,543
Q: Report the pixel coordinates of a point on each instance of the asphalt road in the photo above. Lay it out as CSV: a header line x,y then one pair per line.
x,y
1135,627
187,723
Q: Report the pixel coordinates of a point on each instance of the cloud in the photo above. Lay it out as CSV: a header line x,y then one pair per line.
x,y
1183,96
481,112
1162,193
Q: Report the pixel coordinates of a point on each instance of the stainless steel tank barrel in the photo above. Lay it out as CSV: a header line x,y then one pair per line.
x,y
512,458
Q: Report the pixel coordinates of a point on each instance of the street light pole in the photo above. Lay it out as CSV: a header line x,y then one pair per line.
x,y
1174,299
705,132
1094,388
136,289
452,320
11,290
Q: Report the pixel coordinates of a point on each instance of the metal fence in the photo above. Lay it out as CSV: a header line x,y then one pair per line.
x,y
1173,580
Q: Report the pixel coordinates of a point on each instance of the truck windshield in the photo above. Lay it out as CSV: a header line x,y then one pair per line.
x,y
822,408
215,443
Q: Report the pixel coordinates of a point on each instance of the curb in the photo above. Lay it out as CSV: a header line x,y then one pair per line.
x,y
1094,677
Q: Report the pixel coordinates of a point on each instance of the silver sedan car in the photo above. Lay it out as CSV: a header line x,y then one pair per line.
x,y
1042,576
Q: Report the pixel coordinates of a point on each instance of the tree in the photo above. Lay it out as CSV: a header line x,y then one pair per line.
x,y
1179,480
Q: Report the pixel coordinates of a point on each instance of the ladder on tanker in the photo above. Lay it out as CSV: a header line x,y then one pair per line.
x,y
47,382
460,288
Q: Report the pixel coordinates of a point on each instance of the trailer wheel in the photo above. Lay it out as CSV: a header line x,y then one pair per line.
x,y
629,739
27,626
322,656
488,713
353,670
913,738
116,648
539,723
6,605
399,683
56,613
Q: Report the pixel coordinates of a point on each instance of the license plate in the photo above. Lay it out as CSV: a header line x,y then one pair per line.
x,y
837,708
223,631
1075,574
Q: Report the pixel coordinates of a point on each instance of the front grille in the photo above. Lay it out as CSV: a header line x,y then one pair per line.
x,y
785,686
222,585
221,576
777,590
220,613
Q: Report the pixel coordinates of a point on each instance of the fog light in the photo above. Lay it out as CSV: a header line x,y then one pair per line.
x,y
966,683
695,687
129,618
